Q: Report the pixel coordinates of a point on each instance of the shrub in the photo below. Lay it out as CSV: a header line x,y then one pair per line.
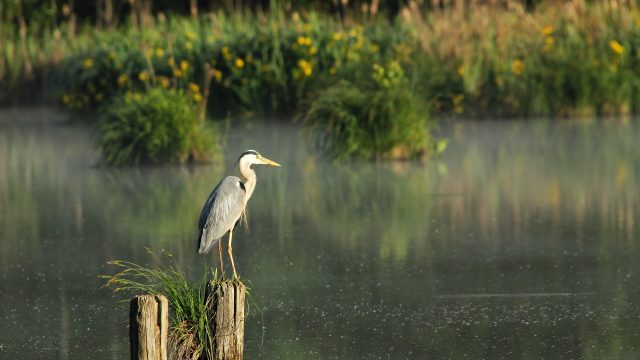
x,y
376,119
159,125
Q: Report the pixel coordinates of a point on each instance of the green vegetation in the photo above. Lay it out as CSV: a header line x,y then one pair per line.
x,y
380,118
269,67
159,125
572,59
189,332
472,60
235,64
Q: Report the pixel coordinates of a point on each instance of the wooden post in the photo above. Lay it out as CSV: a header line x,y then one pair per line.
x,y
226,318
148,327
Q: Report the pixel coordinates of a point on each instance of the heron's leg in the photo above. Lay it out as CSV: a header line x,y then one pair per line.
x,y
230,250
220,254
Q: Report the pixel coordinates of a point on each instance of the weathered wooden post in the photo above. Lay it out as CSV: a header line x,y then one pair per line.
x,y
149,327
226,318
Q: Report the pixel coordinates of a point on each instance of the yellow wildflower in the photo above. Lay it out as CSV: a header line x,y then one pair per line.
x,y
184,65
148,53
66,99
159,52
548,43
353,33
336,36
177,73
137,96
304,41
457,104
171,61
547,30
194,87
616,47
353,56
239,63
226,53
164,81
313,50
374,48
217,74
190,35
461,70
122,80
188,45
143,76
197,97
517,67
306,67
87,63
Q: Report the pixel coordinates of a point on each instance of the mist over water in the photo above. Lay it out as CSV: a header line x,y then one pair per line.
x,y
520,241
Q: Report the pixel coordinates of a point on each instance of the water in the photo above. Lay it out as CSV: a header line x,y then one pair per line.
x,y
521,241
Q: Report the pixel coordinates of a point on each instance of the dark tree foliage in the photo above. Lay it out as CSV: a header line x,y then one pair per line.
x,y
112,12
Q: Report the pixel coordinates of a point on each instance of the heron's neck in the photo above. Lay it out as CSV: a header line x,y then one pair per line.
x,y
249,179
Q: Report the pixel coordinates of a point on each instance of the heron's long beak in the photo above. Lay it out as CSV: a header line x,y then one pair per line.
x,y
268,162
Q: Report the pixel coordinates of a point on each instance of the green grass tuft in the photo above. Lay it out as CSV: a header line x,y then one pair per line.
x,y
376,118
156,126
189,330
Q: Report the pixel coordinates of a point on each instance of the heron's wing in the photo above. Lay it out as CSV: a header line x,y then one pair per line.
x,y
221,210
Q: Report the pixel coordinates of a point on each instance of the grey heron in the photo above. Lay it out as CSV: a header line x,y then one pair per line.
x,y
227,203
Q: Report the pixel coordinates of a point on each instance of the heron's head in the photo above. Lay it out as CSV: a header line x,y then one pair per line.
x,y
251,157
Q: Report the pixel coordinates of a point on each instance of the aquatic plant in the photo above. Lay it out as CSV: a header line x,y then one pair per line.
x,y
374,119
158,125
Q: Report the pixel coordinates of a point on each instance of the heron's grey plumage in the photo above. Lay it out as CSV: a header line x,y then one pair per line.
x,y
220,212
226,204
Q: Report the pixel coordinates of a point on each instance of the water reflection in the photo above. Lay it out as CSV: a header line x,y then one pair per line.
x,y
519,240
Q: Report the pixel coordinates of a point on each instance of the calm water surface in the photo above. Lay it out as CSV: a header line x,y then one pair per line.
x,y
520,242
